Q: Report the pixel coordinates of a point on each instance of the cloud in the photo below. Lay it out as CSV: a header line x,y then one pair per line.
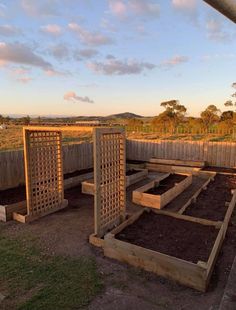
x,y
40,8
90,38
9,30
143,8
215,31
21,54
52,29
59,51
71,96
118,8
85,53
20,74
234,85
188,8
174,61
184,5
52,72
113,66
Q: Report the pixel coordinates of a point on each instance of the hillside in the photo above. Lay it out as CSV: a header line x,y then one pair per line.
x,y
125,115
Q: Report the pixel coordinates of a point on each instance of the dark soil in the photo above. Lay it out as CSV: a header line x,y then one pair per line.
x,y
17,194
12,195
77,173
210,203
182,239
130,161
131,172
166,184
219,169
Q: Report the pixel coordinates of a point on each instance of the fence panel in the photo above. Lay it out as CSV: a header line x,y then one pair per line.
x,y
221,154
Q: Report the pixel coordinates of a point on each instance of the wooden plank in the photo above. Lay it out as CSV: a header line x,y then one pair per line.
x,y
142,198
109,178
187,273
75,181
62,128
6,212
194,197
96,241
26,218
214,254
178,162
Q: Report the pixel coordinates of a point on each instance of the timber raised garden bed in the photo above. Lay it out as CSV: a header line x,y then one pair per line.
x,y
178,162
178,247
172,166
160,192
14,199
216,202
132,176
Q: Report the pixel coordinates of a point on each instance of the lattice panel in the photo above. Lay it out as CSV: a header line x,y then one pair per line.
x,y
44,171
109,178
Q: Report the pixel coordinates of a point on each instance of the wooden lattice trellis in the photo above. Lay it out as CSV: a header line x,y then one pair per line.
x,y
109,178
43,173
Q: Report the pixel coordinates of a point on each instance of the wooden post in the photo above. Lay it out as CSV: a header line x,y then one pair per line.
x,y
109,178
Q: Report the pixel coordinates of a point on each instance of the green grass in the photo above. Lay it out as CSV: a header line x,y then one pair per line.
x,y
36,281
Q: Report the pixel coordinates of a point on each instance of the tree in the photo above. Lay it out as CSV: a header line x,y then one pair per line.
x,y
227,115
162,121
39,120
230,103
195,124
26,120
174,112
134,122
210,116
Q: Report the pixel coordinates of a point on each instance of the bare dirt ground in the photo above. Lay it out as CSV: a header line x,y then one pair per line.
x,y
66,233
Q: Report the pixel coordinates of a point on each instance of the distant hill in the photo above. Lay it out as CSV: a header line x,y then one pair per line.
x,y
124,115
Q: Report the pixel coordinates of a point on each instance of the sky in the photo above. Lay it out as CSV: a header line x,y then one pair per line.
x,y
100,57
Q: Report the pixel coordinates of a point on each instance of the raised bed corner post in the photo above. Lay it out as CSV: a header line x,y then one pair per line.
x,y
43,173
109,179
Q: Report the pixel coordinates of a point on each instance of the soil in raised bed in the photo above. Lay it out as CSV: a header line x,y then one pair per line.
x,y
166,184
136,162
77,173
18,194
210,203
12,195
131,172
219,169
175,237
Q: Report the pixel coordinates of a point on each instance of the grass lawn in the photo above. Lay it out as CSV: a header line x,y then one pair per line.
x,y
12,138
32,280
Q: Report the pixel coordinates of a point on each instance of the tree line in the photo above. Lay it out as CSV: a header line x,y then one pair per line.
x,y
174,117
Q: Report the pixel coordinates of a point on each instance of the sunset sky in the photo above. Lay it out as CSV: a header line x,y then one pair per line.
x,y
99,57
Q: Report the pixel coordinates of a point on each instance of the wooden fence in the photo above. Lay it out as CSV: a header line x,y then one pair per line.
x,y
221,154
75,157
80,156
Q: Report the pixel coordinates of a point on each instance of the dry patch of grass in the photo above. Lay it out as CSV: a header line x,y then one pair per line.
x,y
32,280
12,138
182,137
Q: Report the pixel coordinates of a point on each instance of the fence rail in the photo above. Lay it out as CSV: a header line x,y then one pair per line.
x,y
75,157
221,154
80,156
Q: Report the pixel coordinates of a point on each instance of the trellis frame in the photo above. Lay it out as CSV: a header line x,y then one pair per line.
x,y
44,170
109,179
